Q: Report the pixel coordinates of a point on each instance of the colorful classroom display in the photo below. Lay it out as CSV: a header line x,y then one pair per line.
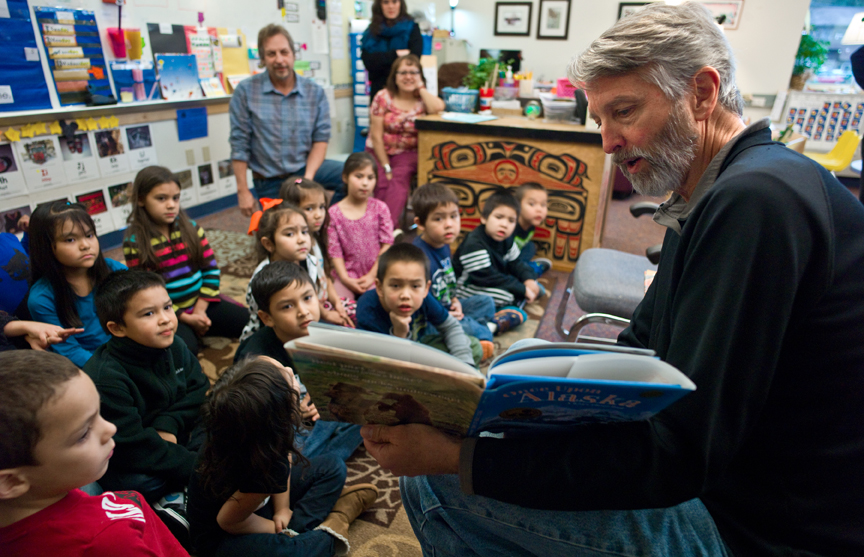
x,y
75,55
22,81
824,118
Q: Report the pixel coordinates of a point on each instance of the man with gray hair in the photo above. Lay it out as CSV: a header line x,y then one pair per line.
x,y
758,298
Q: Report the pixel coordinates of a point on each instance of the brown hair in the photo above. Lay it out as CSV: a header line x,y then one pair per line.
x,y
524,188
356,161
429,197
295,190
267,32
408,59
378,18
30,379
142,229
270,222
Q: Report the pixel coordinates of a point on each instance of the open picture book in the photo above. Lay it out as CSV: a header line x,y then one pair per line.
x,y
363,377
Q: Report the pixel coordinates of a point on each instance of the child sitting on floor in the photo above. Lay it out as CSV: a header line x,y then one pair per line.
x,y
163,239
252,493
401,305
533,208
436,213
52,442
311,198
487,262
360,229
150,385
66,266
287,304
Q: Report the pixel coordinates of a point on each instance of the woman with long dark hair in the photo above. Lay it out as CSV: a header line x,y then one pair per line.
x,y
391,34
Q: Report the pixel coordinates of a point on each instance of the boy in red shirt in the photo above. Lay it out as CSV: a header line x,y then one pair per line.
x,y
53,441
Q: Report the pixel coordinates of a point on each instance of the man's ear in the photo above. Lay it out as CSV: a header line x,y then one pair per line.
x,y
13,484
265,318
116,329
706,92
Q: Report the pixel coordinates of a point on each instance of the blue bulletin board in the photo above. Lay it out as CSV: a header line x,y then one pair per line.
x,y
22,82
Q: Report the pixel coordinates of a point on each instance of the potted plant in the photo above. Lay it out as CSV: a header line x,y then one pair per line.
x,y
809,58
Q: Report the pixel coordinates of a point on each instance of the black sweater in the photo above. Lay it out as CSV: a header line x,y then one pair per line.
x,y
760,300
378,63
486,266
144,390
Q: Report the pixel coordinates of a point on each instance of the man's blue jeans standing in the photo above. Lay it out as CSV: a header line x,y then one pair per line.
x,y
450,523
329,175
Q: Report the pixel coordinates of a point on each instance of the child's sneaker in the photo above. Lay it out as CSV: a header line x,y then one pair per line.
x,y
508,318
171,509
540,265
488,349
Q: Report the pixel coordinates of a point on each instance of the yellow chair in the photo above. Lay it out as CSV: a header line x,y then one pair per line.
x,y
841,155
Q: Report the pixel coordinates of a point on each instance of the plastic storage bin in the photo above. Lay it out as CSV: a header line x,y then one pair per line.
x,y
460,100
557,109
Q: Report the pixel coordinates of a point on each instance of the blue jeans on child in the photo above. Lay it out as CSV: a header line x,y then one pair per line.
x,y
315,487
329,175
478,311
529,250
329,438
450,523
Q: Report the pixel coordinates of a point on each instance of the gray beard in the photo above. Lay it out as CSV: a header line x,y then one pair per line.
x,y
669,159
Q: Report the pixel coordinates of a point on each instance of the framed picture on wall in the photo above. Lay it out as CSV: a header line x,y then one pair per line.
x,y
727,14
513,19
627,8
554,20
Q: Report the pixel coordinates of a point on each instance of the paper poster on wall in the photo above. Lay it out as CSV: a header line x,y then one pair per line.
x,y
41,163
78,159
227,180
141,150
10,218
188,195
208,189
112,153
94,202
121,203
11,179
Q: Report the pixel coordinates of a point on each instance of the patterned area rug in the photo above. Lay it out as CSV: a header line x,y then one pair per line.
x,y
384,529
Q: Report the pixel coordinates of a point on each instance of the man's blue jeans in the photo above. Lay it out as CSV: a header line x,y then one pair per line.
x,y
450,523
328,175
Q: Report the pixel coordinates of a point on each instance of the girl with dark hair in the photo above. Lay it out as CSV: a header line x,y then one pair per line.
x,y
66,265
391,34
161,238
392,135
360,229
310,197
251,492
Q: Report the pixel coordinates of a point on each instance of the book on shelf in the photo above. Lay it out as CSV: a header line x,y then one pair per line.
x,y
368,378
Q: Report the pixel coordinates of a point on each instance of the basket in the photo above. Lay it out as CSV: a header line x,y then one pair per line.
x,y
460,100
565,89
557,109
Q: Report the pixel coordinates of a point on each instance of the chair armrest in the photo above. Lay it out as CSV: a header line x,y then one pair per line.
x,y
643,208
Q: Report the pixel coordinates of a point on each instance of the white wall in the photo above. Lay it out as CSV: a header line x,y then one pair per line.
x,y
764,43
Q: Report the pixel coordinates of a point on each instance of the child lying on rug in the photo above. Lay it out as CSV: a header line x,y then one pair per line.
x,y
287,303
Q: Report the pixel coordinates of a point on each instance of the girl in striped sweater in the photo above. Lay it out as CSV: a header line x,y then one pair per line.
x,y
163,239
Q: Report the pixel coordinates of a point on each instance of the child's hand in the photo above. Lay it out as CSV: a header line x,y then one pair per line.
x,y
401,324
24,223
281,518
532,290
456,309
353,285
365,283
39,335
199,322
308,410
333,316
170,437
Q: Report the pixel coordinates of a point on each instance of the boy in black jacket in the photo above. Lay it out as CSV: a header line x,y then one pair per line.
x,y
150,386
487,262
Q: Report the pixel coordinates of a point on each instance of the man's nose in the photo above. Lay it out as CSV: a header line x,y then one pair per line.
x,y
612,140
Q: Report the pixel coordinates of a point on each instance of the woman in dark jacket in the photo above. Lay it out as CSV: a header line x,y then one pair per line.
x,y
392,33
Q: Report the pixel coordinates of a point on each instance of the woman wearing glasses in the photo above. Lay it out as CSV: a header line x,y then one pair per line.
x,y
392,135
392,33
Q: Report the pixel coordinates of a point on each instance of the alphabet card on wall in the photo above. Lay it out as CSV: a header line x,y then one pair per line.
x,y
112,152
141,150
227,181
208,189
188,195
11,179
121,203
41,163
78,159
94,202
